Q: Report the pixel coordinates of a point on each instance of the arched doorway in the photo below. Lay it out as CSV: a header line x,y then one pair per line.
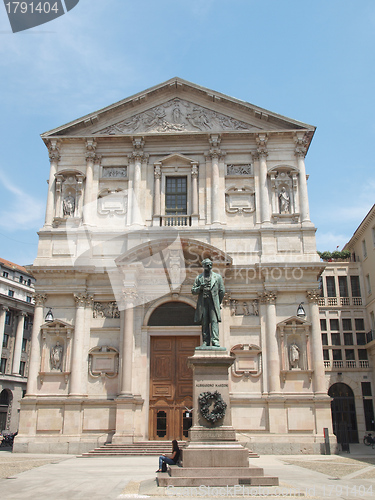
x,y
171,380
5,404
344,419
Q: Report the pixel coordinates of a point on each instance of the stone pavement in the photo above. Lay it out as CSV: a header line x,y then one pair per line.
x,y
65,477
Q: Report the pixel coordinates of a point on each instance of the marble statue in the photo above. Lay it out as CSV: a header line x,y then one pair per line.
x,y
293,355
209,287
284,201
56,357
68,206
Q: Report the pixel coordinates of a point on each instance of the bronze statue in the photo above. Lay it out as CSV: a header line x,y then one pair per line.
x,y
210,289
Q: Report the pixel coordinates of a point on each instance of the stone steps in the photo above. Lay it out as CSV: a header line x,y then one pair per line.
x,y
215,476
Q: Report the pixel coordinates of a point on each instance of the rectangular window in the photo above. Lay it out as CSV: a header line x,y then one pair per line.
x,y
359,324
366,389
10,293
5,340
20,279
324,338
368,284
349,355
362,354
364,249
3,365
346,324
354,283
368,408
176,196
22,368
8,318
336,354
361,339
343,286
5,274
331,288
348,338
323,324
28,299
335,339
326,354
24,345
334,324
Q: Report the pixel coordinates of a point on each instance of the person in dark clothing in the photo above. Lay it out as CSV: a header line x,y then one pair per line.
x,y
170,460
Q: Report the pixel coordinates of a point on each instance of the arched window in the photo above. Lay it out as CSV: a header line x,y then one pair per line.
x,y
172,314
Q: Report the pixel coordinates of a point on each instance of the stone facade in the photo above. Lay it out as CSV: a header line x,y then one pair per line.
x,y
139,194
16,318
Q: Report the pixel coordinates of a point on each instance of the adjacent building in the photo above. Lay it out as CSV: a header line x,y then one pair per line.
x,y
139,194
16,318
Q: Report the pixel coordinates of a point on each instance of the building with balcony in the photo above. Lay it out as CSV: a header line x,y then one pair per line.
x,y
16,318
139,194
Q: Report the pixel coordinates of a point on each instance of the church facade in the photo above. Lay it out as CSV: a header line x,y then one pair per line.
x,y
139,194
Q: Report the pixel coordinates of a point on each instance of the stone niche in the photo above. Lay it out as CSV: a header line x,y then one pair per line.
x,y
69,202
56,350
295,352
284,194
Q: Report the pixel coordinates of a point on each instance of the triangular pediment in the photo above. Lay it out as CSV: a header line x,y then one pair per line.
x,y
177,107
293,322
56,323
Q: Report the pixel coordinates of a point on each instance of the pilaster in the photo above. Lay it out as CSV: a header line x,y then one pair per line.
x,y
300,152
262,140
35,351
272,349
18,343
316,344
54,157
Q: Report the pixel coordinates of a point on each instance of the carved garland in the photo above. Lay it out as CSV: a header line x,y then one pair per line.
x,y
218,411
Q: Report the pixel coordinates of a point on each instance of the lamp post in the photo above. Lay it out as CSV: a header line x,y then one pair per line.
x,y
49,316
301,311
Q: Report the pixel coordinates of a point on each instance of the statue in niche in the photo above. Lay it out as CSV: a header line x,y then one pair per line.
x,y
293,355
284,201
69,206
56,357
210,289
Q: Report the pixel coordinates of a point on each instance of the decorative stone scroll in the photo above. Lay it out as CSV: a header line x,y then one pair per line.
x,y
176,115
114,172
248,360
103,362
240,200
238,170
112,202
105,310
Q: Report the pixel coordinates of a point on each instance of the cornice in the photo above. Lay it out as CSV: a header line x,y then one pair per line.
x,y
361,229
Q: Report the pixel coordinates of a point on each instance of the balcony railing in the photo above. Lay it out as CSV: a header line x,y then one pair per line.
x,y
346,364
342,301
175,220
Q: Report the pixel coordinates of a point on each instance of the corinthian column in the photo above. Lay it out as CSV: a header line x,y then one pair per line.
x,y
217,197
35,351
316,344
157,193
263,184
272,349
138,156
300,151
18,344
54,157
3,313
127,332
90,160
76,385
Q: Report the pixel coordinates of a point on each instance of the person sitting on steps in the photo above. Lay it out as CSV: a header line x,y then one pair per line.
x,y
172,460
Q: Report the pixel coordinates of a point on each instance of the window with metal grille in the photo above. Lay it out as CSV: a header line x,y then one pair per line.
x,y
176,196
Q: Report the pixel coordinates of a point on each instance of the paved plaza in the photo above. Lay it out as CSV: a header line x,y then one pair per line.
x,y
66,477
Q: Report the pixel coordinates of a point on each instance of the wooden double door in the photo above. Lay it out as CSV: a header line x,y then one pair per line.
x,y
171,387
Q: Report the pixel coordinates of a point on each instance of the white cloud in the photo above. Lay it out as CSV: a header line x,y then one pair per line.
x,y
329,241
19,209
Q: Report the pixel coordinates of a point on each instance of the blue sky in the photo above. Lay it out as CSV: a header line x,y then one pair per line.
x,y
311,61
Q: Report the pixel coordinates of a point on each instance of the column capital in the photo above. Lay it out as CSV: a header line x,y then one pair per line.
x,y
313,295
261,140
301,143
138,143
268,297
40,299
139,155
194,169
4,308
91,151
157,170
129,295
53,150
22,314
82,299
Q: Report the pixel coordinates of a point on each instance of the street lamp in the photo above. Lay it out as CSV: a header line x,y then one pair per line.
x,y
301,311
49,316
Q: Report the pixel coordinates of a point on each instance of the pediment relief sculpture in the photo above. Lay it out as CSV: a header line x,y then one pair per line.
x,y
177,115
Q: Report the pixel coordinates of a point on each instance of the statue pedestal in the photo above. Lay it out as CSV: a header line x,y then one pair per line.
x,y
213,456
